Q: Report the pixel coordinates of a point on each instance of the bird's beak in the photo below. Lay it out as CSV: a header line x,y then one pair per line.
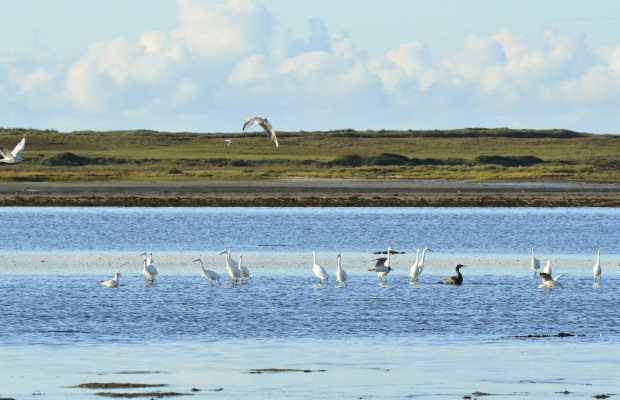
x,y
430,250
223,252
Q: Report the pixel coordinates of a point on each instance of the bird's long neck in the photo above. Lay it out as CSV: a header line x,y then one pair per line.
x,y
387,263
598,257
423,255
314,258
339,263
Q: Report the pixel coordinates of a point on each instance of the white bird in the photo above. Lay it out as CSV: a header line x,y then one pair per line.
x,y
382,265
548,269
414,268
228,142
535,263
12,157
264,123
547,281
148,269
231,265
420,264
209,274
111,282
341,275
597,267
319,271
149,259
245,272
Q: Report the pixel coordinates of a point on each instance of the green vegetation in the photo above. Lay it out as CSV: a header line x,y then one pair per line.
x,y
478,154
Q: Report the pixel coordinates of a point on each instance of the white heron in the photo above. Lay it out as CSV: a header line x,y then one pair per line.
x,y
454,279
111,282
548,269
12,157
420,264
549,282
245,272
341,275
414,268
149,259
597,267
148,269
209,274
231,265
534,263
319,271
228,142
264,123
382,265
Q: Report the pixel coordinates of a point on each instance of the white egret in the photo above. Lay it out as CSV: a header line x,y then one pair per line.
x,y
341,275
319,271
209,274
231,266
547,269
245,272
382,265
549,282
414,268
454,279
148,269
264,123
12,157
111,282
597,267
228,142
420,264
534,263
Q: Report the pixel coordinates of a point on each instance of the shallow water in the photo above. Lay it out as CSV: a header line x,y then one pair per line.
x,y
497,333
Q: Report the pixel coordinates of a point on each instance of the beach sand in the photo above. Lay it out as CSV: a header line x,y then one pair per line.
x,y
312,193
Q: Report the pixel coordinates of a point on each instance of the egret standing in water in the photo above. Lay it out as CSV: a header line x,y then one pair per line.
x,y
534,263
209,274
319,271
382,265
231,265
454,279
597,267
148,269
12,157
549,282
264,123
111,282
414,268
547,269
341,275
245,272
420,264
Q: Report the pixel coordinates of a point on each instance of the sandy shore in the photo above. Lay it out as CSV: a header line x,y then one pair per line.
x,y
312,193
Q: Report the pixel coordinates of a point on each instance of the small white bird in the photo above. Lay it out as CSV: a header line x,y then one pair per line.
x,y
413,272
535,263
597,267
228,142
12,157
382,265
547,270
420,264
319,271
264,123
245,272
111,282
341,275
209,274
547,281
231,266
148,269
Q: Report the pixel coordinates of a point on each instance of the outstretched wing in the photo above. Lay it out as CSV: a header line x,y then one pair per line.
x,y
6,153
557,277
20,146
248,122
271,133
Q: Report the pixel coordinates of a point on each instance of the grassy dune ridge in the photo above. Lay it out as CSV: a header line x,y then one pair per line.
x,y
477,154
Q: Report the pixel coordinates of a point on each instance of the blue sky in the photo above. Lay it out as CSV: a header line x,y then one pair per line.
x,y
204,66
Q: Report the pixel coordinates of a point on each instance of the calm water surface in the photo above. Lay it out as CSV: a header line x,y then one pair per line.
x,y
497,333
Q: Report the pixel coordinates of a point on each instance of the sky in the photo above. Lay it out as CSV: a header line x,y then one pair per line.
x,y
206,65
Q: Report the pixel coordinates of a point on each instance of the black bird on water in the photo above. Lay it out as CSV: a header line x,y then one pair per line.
x,y
454,279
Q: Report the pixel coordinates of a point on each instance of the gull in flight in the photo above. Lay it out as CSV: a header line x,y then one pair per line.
x,y
111,282
228,142
419,265
209,274
382,265
319,271
12,157
548,281
231,265
264,123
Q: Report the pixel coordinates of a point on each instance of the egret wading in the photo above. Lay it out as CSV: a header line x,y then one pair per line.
x,y
209,274
596,271
148,269
534,263
454,279
341,275
420,264
111,283
414,267
319,271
